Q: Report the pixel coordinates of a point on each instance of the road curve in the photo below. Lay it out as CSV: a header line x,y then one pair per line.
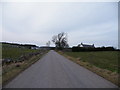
x,y
56,71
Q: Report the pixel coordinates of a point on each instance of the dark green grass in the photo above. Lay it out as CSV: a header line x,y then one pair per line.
x,y
103,59
14,53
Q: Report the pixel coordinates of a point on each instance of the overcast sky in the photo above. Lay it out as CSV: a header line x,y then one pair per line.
x,y
36,23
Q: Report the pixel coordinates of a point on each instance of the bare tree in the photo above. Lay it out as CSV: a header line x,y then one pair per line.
x,y
60,40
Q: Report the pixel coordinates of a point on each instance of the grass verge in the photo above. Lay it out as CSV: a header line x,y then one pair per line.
x,y
107,74
11,71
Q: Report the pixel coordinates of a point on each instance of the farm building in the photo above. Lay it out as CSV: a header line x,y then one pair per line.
x,y
86,45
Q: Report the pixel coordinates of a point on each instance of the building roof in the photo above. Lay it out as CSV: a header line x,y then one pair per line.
x,y
86,45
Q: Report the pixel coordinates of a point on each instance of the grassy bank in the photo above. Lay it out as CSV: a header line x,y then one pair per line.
x,y
21,58
103,59
103,63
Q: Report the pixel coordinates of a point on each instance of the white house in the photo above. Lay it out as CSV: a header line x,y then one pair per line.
x,y
86,45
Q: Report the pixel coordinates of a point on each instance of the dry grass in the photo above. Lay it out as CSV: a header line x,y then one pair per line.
x,y
107,74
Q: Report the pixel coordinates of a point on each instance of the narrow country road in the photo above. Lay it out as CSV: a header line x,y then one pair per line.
x,y
56,71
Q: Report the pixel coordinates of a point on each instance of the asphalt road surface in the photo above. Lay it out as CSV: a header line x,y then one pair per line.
x,y
56,71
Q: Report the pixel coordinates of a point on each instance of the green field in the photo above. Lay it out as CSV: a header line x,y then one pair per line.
x,y
103,59
14,53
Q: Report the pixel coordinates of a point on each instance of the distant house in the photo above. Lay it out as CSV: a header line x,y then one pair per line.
x,y
86,45
35,48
